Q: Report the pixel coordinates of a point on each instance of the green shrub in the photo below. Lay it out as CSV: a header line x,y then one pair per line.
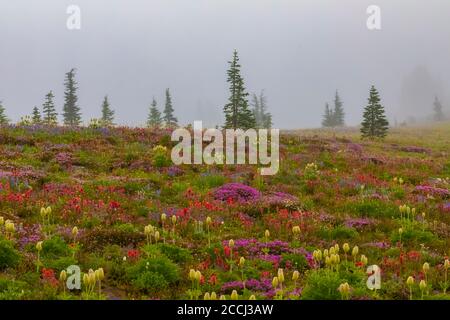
x,y
55,247
208,181
153,274
11,290
342,232
412,236
175,253
60,263
98,238
112,253
322,284
298,261
372,208
150,282
125,227
338,232
9,256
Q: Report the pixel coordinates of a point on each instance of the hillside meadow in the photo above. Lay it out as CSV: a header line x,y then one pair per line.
x,y
110,202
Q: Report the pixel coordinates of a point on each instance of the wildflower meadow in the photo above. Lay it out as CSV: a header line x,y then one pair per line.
x,y
102,213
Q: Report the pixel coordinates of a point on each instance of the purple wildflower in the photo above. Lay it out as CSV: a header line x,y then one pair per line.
x,y
358,223
433,190
263,285
279,198
237,192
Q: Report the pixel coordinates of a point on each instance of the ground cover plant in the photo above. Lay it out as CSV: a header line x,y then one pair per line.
x,y
110,201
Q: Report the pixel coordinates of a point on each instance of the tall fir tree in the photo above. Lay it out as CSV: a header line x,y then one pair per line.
x,y
338,113
3,118
71,110
168,117
374,122
50,116
107,113
328,117
237,112
36,116
438,110
154,119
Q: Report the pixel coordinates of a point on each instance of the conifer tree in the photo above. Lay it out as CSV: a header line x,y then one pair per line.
x,y
154,117
71,110
328,117
338,113
3,118
36,116
256,110
168,117
107,113
50,117
438,113
263,118
374,122
237,112
265,115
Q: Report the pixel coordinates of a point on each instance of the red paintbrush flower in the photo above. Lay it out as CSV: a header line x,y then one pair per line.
x,y
133,254
213,279
227,251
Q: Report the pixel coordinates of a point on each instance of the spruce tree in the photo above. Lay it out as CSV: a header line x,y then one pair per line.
x,y
374,122
256,109
50,117
36,116
328,117
107,113
237,113
154,117
71,110
438,113
168,117
265,115
338,113
3,118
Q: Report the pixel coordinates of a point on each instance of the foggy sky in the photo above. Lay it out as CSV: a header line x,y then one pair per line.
x,y
298,51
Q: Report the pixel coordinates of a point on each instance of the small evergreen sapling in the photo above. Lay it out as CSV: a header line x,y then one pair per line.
x,y
36,116
107,113
375,124
154,119
50,116
3,118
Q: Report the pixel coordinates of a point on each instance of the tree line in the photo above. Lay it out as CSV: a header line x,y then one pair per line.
x,y
374,123
71,111
239,113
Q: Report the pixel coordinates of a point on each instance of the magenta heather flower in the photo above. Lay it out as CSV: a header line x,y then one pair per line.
x,y
355,148
29,234
237,192
275,259
64,159
264,285
414,149
279,198
433,190
358,223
